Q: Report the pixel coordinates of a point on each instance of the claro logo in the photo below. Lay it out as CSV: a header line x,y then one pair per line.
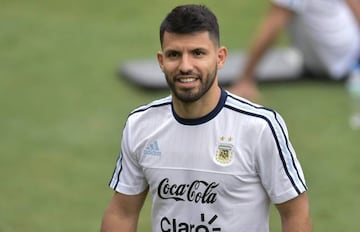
x,y
198,191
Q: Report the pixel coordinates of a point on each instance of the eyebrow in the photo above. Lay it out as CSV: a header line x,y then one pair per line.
x,y
203,49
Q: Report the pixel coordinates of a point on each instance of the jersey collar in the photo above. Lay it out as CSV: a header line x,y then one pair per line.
x,y
203,119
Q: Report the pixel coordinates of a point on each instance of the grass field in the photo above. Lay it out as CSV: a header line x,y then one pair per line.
x,y
63,109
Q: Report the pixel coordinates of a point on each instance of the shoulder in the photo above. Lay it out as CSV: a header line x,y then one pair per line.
x,y
145,120
152,111
154,105
254,112
245,106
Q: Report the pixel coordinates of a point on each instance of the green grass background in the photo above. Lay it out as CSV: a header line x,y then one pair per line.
x,y
63,108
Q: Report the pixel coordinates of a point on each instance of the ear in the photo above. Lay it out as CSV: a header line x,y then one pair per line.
x,y
160,58
221,57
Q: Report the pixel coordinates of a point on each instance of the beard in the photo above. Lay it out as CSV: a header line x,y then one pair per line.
x,y
189,95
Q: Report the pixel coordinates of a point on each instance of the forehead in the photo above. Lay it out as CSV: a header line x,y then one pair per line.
x,y
190,41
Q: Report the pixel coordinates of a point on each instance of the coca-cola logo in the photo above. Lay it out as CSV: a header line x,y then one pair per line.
x,y
198,191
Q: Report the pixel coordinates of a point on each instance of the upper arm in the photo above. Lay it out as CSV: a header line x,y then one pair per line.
x,y
295,214
267,31
123,212
279,16
275,20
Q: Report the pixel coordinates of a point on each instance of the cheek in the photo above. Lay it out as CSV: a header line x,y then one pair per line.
x,y
169,67
211,65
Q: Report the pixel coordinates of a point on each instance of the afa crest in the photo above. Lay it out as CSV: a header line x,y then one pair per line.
x,y
224,153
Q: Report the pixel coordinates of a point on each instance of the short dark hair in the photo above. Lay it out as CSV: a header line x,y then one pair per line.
x,y
191,18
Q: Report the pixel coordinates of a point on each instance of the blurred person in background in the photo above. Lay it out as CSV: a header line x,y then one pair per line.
x,y
326,32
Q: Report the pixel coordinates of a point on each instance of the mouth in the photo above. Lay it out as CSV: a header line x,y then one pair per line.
x,y
187,79
187,82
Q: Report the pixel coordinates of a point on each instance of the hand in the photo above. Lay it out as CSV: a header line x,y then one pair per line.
x,y
246,88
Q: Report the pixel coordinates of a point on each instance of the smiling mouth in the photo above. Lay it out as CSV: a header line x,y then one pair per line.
x,y
187,80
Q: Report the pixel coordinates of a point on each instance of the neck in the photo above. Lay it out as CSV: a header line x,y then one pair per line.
x,y
199,108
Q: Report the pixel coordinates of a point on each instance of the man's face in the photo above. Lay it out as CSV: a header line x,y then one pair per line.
x,y
190,63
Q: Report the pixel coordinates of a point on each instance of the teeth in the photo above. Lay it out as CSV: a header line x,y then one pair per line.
x,y
186,80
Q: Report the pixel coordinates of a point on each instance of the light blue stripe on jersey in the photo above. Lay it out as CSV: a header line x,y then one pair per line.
x,y
277,125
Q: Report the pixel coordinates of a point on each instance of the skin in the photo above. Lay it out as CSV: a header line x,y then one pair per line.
x,y
122,213
190,63
354,5
295,214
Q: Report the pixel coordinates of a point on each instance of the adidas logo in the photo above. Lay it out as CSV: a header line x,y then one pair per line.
x,y
152,149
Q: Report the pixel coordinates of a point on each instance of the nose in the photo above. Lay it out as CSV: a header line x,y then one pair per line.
x,y
186,65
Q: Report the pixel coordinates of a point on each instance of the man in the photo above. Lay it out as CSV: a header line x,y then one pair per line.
x,y
211,161
325,32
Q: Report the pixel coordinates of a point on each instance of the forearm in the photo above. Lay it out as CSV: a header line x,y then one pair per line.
x,y
274,22
122,214
113,222
296,224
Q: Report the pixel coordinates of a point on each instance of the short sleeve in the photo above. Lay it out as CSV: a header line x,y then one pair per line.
x,y
128,177
278,167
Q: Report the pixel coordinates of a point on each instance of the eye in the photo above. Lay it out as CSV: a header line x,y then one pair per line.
x,y
198,52
172,54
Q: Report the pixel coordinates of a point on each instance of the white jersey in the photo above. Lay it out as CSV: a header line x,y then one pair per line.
x,y
327,34
215,173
